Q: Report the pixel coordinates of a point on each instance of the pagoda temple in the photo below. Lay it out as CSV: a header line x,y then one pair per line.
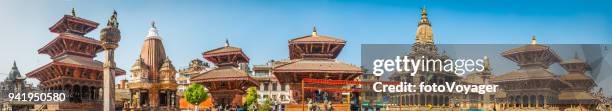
x,y
580,91
152,84
532,85
73,69
314,57
227,82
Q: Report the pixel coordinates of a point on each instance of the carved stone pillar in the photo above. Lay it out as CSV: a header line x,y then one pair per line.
x,y
154,97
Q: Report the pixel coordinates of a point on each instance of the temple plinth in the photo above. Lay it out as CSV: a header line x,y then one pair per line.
x,y
73,69
227,82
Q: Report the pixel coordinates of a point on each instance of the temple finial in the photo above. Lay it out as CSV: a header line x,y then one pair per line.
x,y
314,31
73,12
423,10
533,40
576,55
227,42
153,32
486,62
112,21
424,20
14,64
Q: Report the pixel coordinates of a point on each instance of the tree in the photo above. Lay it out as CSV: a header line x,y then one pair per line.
x,y
266,105
196,94
251,98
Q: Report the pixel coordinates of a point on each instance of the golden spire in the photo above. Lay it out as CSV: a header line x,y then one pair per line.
x,y
314,31
424,33
73,12
424,19
533,40
423,11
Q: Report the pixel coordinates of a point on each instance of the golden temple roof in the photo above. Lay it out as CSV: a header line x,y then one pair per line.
x,y
76,61
424,33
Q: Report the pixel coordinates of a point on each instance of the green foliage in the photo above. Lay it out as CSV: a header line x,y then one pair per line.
x,y
196,94
251,97
266,105
364,70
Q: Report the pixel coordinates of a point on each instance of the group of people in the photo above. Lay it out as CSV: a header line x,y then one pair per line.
x,y
326,106
228,108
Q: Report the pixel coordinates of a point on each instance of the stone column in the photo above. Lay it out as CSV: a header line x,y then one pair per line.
x,y
153,98
110,36
537,101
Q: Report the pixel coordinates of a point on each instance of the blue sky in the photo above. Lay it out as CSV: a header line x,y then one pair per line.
x,y
262,28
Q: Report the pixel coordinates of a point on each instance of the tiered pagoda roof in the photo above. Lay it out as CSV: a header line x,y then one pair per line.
x,y
72,55
226,55
576,69
224,74
314,56
315,46
581,83
533,60
227,58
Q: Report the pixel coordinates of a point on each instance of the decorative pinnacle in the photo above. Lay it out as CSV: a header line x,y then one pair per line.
x,y
14,64
314,31
486,62
576,55
153,24
424,19
112,21
533,40
227,42
423,11
73,12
